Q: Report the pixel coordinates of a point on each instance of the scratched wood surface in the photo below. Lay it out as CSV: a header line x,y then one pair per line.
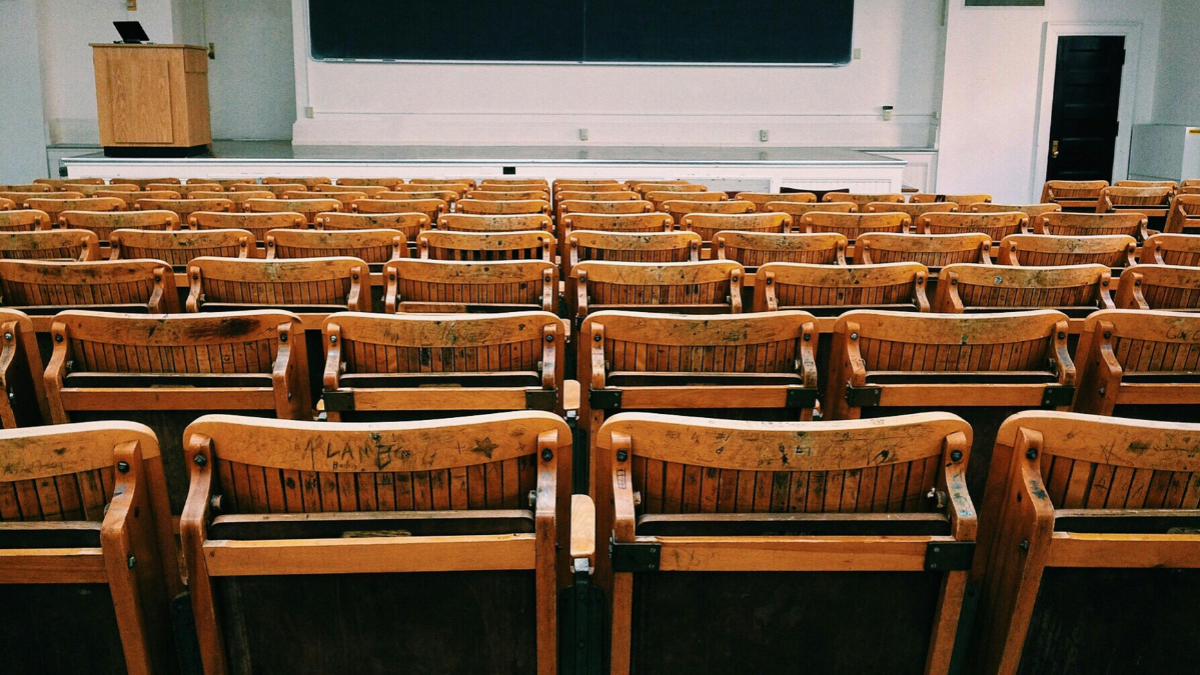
x,y
931,250
1074,289
463,222
147,285
1082,224
707,225
995,225
1110,250
679,209
451,197
430,208
810,287
1159,287
487,246
56,207
184,208
24,220
1164,249
104,223
180,247
964,201
291,180
511,207
237,198
914,211
307,282
389,183
862,199
20,197
713,285
186,190
852,225
1031,210
371,246
495,194
62,244
753,249
504,283
258,224
1151,201
131,198
411,224
346,198
649,247
276,189
761,199
308,207
349,189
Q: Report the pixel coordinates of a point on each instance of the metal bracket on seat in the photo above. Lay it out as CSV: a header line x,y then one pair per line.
x,y
863,397
1058,395
605,399
949,556
338,400
800,397
634,557
541,399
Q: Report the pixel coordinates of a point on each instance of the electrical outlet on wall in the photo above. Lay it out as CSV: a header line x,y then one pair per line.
x,y
308,111
583,134
764,135
857,53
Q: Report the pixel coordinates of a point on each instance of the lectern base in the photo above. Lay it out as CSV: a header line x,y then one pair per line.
x,y
142,151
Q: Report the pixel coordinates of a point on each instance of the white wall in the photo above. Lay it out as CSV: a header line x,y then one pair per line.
x,y
376,103
1177,95
990,102
22,148
251,84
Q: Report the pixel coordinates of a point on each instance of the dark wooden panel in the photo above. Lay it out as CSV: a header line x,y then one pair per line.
x,y
59,628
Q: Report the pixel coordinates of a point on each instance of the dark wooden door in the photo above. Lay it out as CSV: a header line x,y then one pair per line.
x,y
1087,95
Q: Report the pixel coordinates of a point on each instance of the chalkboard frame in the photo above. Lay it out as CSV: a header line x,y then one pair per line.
x,y
520,62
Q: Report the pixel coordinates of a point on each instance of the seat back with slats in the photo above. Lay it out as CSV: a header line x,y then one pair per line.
x,y
95,190
1073,193
705,287
861,200
963,201
495,194
451,197
65,184
761,199
462,222
56,207
707,225
225,183
345,189
570,206
914,211
487,246
1085,224
25,187
309,207
1159,287
1076,290
180,247
22,372
647,247
828,290
1111,250
1169,249
166,371
995,225
658,198
65,245
131,198
453,286
43,287
309,285
103,224
468,182
504,207
184,208
1184,214
1142,358
89,550
373,246
430,208
186,190
931,250
277,190
389,183
1031,210
411,224
288,180
852,225
237,198
24,220
379,366
617,222
258,224
1150,201
143,182
753,249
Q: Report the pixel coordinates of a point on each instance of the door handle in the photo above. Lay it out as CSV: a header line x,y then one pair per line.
x,y
1054,150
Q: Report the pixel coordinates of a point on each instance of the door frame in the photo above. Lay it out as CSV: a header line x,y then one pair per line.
x,y
1052,30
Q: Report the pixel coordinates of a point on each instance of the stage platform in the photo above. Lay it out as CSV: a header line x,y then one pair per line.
x,y
722,168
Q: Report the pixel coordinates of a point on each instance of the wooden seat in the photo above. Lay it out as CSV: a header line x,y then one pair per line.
x,y
368,190
755,366
56,207
309,285
184,208
89,556
454,286
143,182
645,247
45,288
635,183
829,290
181,246
995,225
566,201
1109,510
566,183
346,198
1085,224
852,225
861,200
1148,184
617,222
570,206
389,183
411,224
1184,215
131,198
375,247
1110,250
186,190
24,220
753,249
647,189
19,197
1031,210
465,222
707,225
680,209
459,189
464,516
786,543
982,367
487,246
378,367
166,371
63,184
103,224
1075,290
21,374
1159,287
108,190
277,189
761,199
468,182
705,287
914,211
7,205
510,207
430,208
64,245
1151,202
1139,360
595,193
659,198
963,201
798,209
1073,194
238,198
514,181
1169,249
496,195
308,207
451,197
25,187
931,250
257,224
223,182
289,180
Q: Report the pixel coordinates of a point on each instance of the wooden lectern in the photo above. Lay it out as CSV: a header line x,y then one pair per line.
x,y
152,99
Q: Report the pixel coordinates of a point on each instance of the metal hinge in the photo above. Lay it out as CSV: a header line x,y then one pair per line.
x,y
949,556
634,557
1058,396
338,400
604,399
863,397
541,399
800,397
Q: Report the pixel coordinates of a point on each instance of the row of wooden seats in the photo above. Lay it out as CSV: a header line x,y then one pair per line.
x,y
447,543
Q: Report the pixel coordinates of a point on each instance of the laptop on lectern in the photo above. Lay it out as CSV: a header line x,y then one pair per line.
x,y
131,32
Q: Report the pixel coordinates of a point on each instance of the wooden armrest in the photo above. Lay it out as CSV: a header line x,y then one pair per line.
x,y
583,527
